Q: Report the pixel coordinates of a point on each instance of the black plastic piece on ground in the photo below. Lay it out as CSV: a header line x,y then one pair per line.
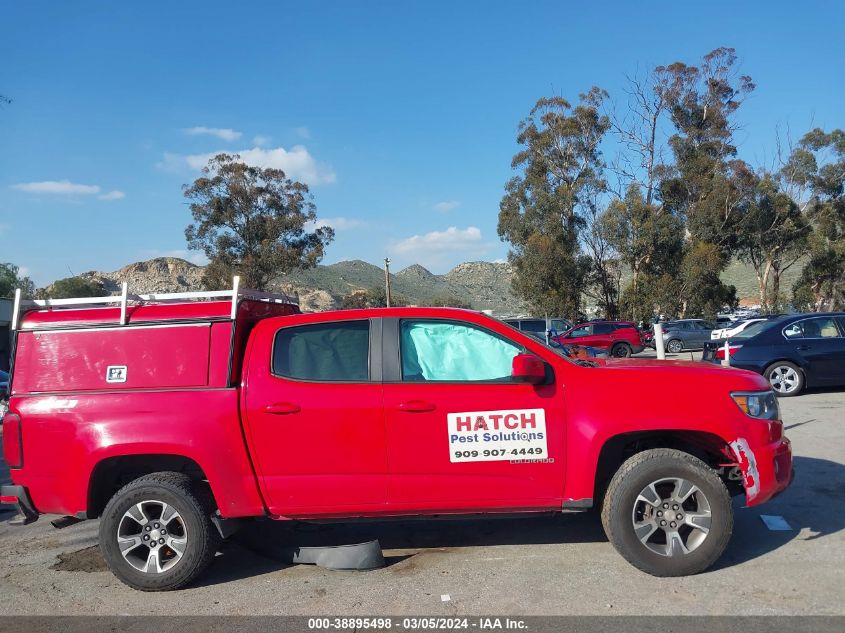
x,y
65,521
358,556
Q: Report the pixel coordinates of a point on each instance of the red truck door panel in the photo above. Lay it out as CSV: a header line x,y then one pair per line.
x,y
454,420
314,418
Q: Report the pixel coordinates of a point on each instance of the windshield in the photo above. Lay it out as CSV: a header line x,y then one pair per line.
x,y
752,330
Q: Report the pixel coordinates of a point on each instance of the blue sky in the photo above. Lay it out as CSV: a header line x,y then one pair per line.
x,y
401,115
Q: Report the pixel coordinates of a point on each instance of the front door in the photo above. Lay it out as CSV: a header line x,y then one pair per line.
x,y
462,436
313,418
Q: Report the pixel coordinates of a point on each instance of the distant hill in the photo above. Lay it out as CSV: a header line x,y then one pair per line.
x,y
485,285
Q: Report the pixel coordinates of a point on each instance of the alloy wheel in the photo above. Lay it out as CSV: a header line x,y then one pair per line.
x,y
671,517
152,536
784,379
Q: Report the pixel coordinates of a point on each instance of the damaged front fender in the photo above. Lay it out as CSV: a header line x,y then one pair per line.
x,y
747,462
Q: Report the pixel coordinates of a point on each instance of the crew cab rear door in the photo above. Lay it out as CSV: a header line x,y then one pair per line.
x,y
312,408
461,435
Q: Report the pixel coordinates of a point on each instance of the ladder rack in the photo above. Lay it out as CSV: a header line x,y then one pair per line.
x,y
125,298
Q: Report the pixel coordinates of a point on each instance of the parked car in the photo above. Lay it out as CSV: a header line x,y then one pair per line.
x,y
686,334
792,352
173,421
540,327
739,326
619,338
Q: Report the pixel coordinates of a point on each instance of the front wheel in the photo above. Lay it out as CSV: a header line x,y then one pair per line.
x,y
156,532
785,378
621,350
667,513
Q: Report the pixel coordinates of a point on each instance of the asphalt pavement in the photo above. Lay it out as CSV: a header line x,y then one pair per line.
x,y
533,566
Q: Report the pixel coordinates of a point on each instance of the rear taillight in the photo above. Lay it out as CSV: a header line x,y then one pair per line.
x,y
12,445
732,349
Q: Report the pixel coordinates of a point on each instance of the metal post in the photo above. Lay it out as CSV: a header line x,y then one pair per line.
x,y
726,361
387,279
658,341
124,297
236,283
16,309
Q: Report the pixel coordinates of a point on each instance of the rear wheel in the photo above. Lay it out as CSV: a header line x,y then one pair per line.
x,y
667,513
785,378
156,532
675,346
621,350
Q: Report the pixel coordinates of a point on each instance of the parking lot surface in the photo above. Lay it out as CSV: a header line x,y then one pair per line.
x,y
534,566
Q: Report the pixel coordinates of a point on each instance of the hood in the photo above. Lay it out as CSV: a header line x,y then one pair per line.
x,y
681,371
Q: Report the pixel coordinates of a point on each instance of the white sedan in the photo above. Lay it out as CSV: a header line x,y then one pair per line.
x,y
733,329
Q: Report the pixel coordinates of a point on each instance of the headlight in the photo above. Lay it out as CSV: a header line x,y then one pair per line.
x,y
758,404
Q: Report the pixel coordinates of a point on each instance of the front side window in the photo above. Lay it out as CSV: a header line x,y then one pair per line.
x,y
451,352
323,352
820,327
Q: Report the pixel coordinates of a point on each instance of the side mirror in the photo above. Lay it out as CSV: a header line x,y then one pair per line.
x,y
528,368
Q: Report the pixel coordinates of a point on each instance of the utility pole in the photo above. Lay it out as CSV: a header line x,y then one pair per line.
x,y
387,279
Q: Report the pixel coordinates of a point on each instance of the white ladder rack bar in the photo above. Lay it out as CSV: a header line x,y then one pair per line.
x,y
125,298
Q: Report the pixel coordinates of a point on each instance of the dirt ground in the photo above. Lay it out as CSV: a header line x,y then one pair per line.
x,y
535,566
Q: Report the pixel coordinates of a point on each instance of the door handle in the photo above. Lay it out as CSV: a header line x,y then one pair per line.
x,y
803,348
282,408
416,406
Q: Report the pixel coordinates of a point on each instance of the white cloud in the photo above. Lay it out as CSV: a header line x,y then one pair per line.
x,y
67,188
223,133
260,140
297,162
446,206
112,195
338,224
302,132
57,187
437,247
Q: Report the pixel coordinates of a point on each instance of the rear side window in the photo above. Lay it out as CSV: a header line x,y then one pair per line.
x,y
578,332
820,327
323,352
603,328
533,325
452,352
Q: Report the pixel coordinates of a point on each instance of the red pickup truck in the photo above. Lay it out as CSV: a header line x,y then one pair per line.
x,y
173,419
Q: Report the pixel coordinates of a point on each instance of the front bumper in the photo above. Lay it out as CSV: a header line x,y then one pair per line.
x,y
19,496
767,470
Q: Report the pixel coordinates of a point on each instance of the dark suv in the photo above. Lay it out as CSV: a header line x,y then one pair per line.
x,y
619,338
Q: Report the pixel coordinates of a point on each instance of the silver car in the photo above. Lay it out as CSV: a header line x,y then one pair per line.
x,y
686,334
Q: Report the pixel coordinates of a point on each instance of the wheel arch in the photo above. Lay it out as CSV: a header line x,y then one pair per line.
x,y
112,473
710,448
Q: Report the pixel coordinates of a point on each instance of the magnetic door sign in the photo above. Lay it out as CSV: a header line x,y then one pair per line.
x,y
488,436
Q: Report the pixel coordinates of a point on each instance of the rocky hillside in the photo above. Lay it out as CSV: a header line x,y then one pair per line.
x,y
483,284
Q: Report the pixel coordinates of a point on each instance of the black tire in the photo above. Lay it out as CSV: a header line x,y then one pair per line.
x,y
194,504
776,374
621,503
621,350
675,346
